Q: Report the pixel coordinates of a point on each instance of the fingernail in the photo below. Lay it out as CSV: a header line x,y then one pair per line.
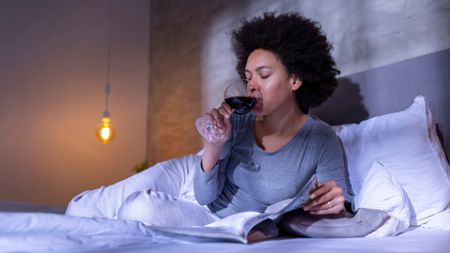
x,y
312,196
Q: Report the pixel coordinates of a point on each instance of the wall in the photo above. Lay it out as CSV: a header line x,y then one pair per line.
x,y
191,59
52,71
188,70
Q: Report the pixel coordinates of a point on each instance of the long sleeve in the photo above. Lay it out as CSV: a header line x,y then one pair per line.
x,y
332,164
208,185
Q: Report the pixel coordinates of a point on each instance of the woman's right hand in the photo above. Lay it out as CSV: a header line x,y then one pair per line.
x,y
221,118
221,121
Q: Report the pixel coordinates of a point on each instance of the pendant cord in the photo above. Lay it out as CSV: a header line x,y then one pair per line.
x,y
107,91
107,88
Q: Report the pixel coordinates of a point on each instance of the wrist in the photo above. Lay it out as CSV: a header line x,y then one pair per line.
x,y
210,157
212,147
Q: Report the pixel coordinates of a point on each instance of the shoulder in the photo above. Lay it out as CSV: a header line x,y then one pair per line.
x,y
326,142
322,132
319,126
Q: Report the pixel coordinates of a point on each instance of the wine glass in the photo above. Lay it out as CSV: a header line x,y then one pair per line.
x,y
237,97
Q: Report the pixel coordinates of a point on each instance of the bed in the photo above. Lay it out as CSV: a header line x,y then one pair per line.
x,y
97,235
396,164
103,236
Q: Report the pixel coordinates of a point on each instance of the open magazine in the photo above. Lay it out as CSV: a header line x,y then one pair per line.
x,y
238,227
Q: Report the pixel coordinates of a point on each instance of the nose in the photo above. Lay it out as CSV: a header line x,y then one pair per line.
x,y
252,86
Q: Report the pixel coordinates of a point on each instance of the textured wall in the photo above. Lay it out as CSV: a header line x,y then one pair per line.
x,y
191,57
52,72
178,30
188,69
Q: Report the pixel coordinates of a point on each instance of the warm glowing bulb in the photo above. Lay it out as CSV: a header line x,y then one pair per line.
x,y
106,132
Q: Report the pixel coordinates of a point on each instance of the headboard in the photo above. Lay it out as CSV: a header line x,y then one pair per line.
x,y
392,88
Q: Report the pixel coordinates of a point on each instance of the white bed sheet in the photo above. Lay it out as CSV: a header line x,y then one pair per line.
x,y
414,241
45,232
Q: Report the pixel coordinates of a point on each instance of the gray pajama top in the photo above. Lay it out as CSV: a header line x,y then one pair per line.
x,y
247,178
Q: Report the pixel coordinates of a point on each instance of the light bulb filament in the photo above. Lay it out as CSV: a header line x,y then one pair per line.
x,y
105,132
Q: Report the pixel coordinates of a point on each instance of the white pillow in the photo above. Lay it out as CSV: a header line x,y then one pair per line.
x,y
382,192
440,221
406,144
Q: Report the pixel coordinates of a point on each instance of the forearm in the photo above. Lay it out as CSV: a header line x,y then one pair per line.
x,y
209,175
210,157
206,185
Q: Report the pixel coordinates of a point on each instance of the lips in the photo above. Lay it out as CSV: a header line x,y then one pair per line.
x,y
258,105
258,97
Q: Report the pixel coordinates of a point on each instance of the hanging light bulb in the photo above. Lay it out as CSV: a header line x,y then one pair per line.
x,y
105,131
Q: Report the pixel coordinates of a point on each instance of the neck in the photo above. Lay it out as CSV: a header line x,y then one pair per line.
x,y
285,122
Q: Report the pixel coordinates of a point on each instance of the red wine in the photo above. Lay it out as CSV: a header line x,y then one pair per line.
x,y
241,105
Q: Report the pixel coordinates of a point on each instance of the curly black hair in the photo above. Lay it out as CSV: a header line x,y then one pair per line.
x,y
301,47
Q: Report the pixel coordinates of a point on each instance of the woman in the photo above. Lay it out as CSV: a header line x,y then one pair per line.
x,y
266,156
269,154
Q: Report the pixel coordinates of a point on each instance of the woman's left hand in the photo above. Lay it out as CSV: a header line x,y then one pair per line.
x,y
327,198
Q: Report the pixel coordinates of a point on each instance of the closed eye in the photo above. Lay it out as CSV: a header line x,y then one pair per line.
x,y
264,72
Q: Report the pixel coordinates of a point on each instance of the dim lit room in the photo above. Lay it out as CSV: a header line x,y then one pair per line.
x,y
119,132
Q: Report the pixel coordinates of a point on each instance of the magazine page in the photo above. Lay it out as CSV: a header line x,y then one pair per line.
x,y
275,210
238,226
201,234
230,228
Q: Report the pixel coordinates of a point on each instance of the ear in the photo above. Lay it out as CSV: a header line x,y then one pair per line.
x,y
295,82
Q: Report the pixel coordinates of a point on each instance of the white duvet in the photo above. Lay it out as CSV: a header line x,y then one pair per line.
x,y
102,230
55,232
45,232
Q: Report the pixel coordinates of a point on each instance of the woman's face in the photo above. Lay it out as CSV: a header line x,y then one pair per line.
x,y
269,82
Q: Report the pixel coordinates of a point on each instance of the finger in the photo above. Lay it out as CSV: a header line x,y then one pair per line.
x,y
334,193
222,118
317,184
319,196
334,210
320,200
216,119
316,203
228,124
225,112
328,204
216,115
330,208
322,189
228,108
